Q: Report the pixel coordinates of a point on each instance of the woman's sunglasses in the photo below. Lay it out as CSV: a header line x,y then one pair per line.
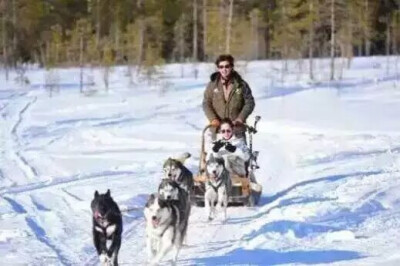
x,y
224,66
223,131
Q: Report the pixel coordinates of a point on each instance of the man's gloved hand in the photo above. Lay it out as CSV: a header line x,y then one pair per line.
x,y
237,122
215,123
218,145
229,147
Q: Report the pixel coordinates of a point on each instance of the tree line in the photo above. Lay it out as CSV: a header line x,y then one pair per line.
x,y
150,32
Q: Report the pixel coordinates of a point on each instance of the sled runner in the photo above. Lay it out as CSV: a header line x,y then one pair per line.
x,y
244,190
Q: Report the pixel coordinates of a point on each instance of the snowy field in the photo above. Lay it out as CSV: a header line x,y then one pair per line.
x,y
329,157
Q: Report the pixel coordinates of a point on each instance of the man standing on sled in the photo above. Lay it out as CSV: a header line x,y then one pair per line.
x,y
228,101
227,96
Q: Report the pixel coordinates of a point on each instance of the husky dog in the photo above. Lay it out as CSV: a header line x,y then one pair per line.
x,y
164,228
107,225
170,191
218,185
176,171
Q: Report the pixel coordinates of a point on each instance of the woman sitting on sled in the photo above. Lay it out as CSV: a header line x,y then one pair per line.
x,y
232,149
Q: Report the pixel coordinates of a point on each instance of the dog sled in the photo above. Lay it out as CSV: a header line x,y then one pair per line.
x,y
245,190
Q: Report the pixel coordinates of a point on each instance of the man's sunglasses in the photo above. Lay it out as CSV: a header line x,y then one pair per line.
x,y
223,131
224,66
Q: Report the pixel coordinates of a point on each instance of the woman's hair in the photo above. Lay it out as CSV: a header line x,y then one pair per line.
x,y
226,121
225,57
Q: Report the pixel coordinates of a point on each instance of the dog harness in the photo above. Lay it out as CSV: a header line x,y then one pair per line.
x,y
215,187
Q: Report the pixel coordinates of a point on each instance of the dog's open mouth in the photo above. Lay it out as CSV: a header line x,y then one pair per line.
x,y
155,221
97,215
212,176
101,219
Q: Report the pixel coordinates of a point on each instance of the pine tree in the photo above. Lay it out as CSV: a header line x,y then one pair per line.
x,y
215,32
229,27
131,46
4,35
240,40
287,39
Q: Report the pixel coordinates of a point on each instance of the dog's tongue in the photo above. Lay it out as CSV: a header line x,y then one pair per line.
x,y
155,222
97,214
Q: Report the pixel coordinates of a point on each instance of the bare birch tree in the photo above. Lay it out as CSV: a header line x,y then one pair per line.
x,y
229,28
142,27
311,29
254,33
5,36
333,42
195,31
204,11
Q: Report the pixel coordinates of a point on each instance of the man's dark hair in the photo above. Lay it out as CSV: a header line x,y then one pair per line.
x,y
225,57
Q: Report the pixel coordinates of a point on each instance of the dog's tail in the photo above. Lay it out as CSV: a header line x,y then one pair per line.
x,y
183,157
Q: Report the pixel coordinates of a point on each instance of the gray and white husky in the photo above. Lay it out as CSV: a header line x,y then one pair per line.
x,y
164,229
218,185
176,171
170,191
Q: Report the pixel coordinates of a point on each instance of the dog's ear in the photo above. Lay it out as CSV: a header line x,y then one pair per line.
x,y
96,194
150,200
211,157
108,194
162,203
166,162
220,160
159,186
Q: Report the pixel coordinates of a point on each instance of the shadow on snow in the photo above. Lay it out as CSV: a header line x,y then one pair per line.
x,y
270,257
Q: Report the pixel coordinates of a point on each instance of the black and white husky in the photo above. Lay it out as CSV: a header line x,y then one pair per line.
x,y
176,171
164,228
217,185
107,225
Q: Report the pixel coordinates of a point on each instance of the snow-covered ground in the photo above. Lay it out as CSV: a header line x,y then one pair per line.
x,y
329,157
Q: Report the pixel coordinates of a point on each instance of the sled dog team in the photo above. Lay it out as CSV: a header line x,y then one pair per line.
x,y
166,212
227,103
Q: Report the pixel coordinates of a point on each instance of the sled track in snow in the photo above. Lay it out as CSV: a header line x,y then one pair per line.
x,y
40,234
60,182
28,170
